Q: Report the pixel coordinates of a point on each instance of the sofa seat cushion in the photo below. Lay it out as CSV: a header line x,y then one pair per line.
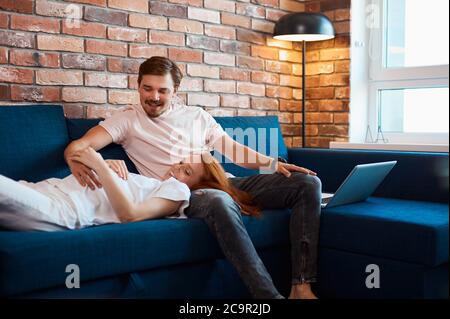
x,y
38,260
403,230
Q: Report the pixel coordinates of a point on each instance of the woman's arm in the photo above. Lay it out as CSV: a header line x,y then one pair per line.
x,y
125,208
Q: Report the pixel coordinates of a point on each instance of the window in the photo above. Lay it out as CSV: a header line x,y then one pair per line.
x,y
408,60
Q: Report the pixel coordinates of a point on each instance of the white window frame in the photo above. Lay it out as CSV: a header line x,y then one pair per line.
x,y
381,78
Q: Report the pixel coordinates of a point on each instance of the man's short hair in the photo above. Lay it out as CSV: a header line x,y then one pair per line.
x,y
158,65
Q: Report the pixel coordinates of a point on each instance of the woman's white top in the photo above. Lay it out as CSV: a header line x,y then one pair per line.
x,y
94,208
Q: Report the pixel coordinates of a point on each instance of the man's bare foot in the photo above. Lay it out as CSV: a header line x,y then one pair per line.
x,y
302,291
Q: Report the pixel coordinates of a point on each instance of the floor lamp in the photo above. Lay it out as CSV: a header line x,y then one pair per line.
x,y
304,27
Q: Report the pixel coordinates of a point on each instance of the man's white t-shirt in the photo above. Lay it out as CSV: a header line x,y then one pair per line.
x,y
94,208
154,144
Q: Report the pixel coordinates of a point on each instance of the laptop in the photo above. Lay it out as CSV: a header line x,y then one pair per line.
x,y
362,181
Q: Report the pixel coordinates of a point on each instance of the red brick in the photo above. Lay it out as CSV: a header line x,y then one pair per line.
x,y
168,38
14,75
85,29
293,81
84,61
30,58
219,59
293,6
250,63
194,3
249,112
335,80
191,85
320,93
146,51
279,92
101,111
342,14
101,3
263,26
59,43
59,77
167,9
123,97
318,118
251,37
250,10
332,105
341,118
186,26
319,68
290,105
123,65
251,89
22,6
291,56
185,55
83,94
132,82
5,92
105,16
271,42
201,42
217,86
264,104
274,15
126,34
235,47
234,74
202,99
335,54
3,55
342,66
333,130
34,23
203,15
204,71
218,31
265,52
342,27
148,21
278,67
74,110
236,20
290,129
58,9
265,77
343,93
221,112
35,94
342,41
234,100
106,47
4,20
17,39
135,5
223,5
106,80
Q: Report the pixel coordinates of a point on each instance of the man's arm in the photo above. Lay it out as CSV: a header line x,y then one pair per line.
x,y
97,138
248,158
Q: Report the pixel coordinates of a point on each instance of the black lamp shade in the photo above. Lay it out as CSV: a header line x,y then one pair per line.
x,y
304,26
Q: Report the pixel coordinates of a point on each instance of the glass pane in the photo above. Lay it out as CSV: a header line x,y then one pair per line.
x,y
417,33
414,110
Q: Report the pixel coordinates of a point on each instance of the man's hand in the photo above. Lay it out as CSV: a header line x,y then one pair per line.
x,y
286,169
83,174
119,167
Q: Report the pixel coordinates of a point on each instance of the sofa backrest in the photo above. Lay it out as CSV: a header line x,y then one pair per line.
x,y
260,132
32,142
417,175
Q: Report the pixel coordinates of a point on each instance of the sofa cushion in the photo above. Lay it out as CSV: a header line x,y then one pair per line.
x,y
33,139
261,133
37,260
410,231
78,127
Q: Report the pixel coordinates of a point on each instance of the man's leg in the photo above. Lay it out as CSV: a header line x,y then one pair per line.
x,y
301,193
223,217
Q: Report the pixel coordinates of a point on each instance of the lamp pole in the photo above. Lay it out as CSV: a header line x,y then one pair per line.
x,y
303,94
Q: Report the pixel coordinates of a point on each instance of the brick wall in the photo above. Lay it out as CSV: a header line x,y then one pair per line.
x,y
85,55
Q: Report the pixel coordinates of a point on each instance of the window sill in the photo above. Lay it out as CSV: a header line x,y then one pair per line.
x,y
441,148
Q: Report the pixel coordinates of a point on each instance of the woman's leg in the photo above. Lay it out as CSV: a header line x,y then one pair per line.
x,y
223,217
23,208
301,193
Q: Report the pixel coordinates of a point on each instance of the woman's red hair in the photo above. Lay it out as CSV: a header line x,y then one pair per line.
x,y
215,177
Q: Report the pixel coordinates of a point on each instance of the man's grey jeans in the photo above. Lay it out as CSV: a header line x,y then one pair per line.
x,y
300,192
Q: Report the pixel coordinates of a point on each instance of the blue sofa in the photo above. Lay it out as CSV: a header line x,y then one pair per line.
x,y
403,228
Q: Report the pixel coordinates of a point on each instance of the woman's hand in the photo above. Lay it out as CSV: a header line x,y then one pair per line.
x,y
90,158
119,167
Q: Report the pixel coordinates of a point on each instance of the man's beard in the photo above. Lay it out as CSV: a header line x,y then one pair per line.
x,y
154,108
